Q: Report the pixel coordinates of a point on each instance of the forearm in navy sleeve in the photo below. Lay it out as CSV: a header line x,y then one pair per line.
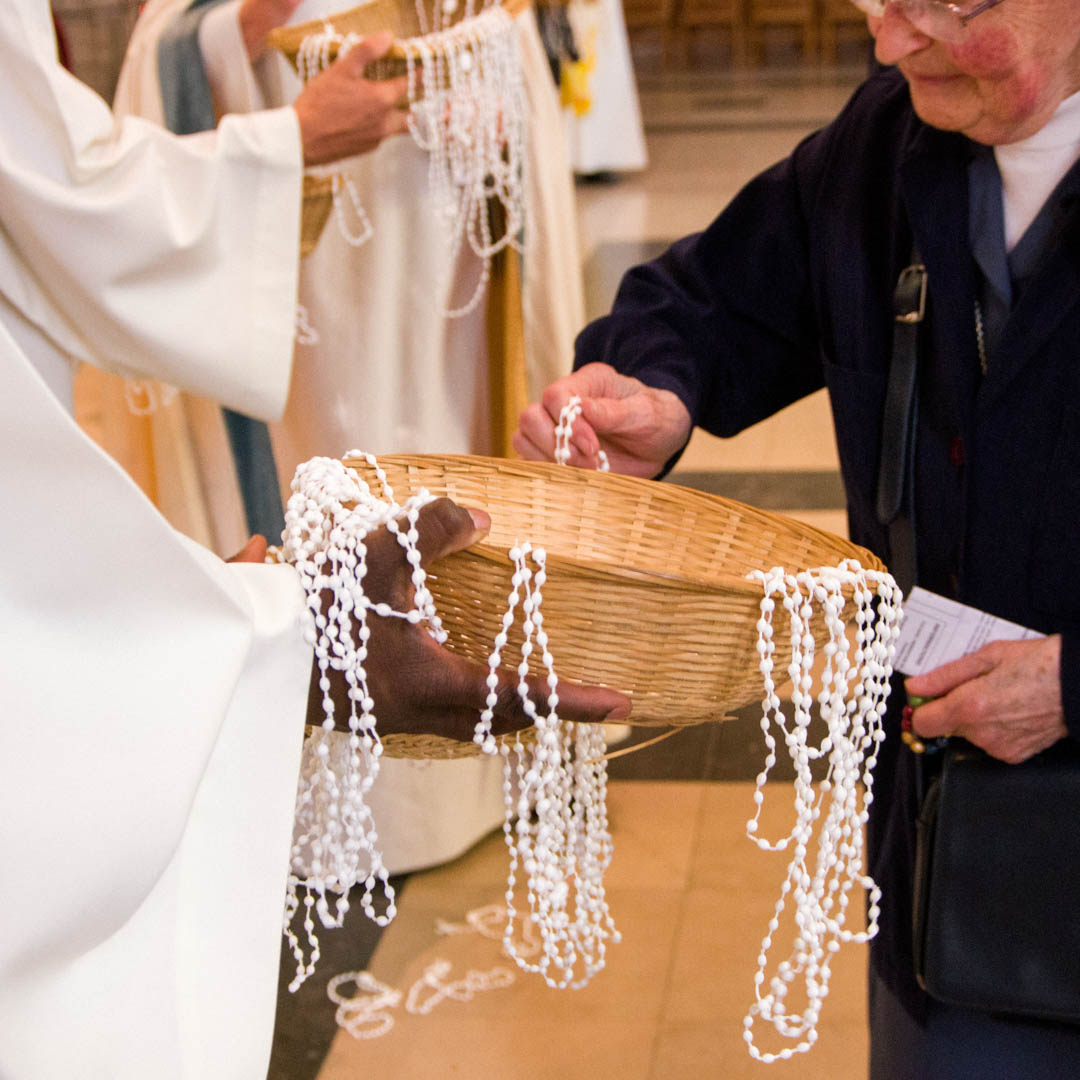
x,y
724,318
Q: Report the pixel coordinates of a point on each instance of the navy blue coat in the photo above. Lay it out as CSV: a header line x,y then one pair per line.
x,y
790,289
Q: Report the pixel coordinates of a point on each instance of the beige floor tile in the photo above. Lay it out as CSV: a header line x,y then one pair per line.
x,y
654,827
524,1030
724,858
534,1048
715,1049
483,865
834,521
692,175
691,899
716,956
799,437
733,894
528,1030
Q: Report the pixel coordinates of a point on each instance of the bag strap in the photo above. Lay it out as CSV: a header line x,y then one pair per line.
x,y
896,459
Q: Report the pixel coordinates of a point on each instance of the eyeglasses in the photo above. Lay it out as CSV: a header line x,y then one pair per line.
x,y
935,18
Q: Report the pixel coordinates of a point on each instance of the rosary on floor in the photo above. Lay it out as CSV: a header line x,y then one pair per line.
x,y
554,786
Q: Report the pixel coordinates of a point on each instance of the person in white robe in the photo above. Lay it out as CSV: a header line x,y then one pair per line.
x,y
152,697
605,133
386,370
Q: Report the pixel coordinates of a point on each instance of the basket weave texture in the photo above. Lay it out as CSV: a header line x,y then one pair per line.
x,y
646,586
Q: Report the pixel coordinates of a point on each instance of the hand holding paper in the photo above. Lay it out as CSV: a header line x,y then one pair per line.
x,y
1005,696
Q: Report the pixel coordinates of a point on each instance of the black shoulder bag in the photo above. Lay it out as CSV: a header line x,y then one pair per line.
x,y
997,878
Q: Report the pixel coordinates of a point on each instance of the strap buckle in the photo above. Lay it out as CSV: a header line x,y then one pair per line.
x,y
909,299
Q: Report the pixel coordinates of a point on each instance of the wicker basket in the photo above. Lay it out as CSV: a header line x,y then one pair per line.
x,y
397,16
646,592
401,18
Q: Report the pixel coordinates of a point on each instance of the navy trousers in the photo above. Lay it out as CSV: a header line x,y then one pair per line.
x,y
961,1044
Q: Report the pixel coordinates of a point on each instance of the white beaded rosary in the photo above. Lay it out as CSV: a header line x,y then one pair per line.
x,y
851,701
556,830
328,516
563,429
368,1012
555,827
467,111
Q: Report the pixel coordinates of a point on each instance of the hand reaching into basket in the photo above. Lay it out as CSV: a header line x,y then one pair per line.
x,y
342,113
638,426
418,686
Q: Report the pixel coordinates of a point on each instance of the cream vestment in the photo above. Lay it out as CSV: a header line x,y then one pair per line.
x,y
151,697
388,372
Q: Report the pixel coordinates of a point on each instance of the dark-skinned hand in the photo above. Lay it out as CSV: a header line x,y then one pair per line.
x,y
422,688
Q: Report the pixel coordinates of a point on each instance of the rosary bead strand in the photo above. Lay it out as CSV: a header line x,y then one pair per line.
x,y
563,430
563,855
468,112
820,889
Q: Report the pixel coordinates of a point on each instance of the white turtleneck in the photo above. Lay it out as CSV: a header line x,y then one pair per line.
x,y
1031,169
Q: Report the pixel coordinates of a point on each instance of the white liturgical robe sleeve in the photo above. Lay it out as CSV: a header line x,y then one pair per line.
x,y
152,703
105,218
152,698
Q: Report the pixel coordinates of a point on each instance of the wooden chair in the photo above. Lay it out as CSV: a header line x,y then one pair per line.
x,y
651,15
694,15
836,17
801,15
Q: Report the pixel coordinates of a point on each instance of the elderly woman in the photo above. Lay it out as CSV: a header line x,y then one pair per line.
x,y
962,157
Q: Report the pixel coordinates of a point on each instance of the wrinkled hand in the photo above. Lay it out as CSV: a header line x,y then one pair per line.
x,y
1005,698
638,426
341,113
417,685
258,18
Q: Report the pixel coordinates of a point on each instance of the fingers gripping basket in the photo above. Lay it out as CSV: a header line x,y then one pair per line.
x,y
646,586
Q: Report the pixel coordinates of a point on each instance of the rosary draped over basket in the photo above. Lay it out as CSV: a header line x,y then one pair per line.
x,y
647,588
466,111
667,594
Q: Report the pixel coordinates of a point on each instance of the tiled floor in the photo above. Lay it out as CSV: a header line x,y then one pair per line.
x,y
692,899
690,895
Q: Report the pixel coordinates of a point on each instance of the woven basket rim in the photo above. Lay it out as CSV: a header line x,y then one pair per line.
x,y
655,579
630,486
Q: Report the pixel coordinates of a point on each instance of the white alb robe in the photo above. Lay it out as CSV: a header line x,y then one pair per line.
x,y
151,697
389,373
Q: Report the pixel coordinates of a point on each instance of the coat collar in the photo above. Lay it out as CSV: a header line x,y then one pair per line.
x,y
934,184
1049,295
